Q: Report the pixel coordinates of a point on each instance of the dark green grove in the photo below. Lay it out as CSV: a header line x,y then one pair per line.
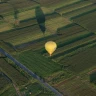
x,y
93,77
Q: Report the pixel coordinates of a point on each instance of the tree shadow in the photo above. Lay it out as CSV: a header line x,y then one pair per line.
x,y
40,18
15,12
1,17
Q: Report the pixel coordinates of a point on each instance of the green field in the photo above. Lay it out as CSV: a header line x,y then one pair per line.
x,y
9,92
12,73
3,82
36,89
25,27
41,65
6,87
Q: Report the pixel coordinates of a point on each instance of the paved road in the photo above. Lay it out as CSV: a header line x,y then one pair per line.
x,y
30,72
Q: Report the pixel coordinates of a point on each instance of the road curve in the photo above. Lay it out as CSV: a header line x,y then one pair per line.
x,y
30,72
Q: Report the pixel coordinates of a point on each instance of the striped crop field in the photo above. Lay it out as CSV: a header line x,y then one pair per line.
x,y
7,8
12,73
24,35
6,88
71,40
27,32
36,89
8,22
76,87
73,6
69,43
69,34
56,4
3,82
25,27
86,59
86,20
67,31
41,65
64,49
80,11
26,14
10,91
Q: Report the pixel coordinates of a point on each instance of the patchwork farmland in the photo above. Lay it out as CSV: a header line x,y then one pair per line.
x,y
25,27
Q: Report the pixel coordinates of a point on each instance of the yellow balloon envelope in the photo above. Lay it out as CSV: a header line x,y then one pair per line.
x,y
50,46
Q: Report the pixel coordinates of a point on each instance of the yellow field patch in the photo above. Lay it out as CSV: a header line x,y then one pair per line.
x,y
5,27
55,23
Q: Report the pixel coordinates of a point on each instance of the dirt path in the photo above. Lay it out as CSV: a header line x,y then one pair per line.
x,y
17,90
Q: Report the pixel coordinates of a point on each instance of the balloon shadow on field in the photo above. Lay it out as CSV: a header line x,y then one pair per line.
x,y
40,19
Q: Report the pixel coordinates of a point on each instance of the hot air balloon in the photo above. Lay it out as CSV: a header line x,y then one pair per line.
x,y
50,47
